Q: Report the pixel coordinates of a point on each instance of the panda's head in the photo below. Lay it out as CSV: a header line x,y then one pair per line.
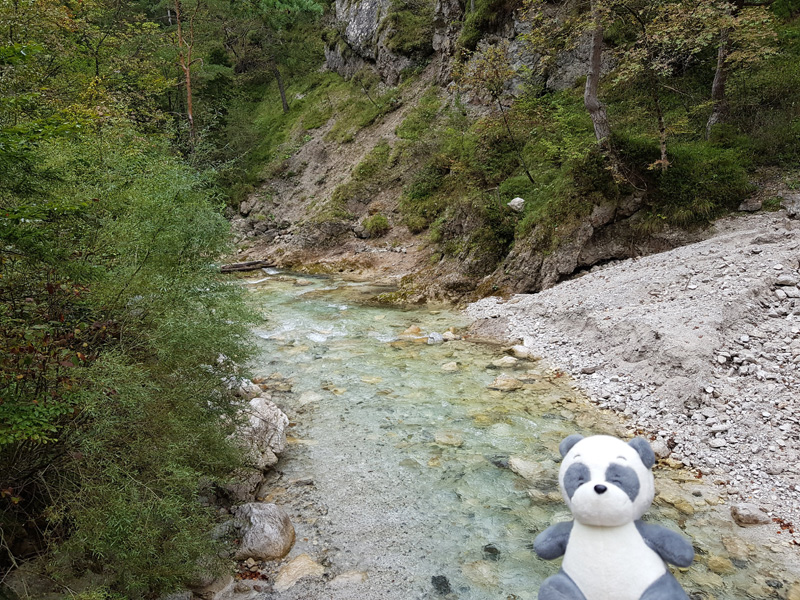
x,y
604,481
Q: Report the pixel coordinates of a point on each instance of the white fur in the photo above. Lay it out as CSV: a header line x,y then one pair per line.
x,y
611,563
606,556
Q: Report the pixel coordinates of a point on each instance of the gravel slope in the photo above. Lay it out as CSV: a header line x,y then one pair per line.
x,y
699,347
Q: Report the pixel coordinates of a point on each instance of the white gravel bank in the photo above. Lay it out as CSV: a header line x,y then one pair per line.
x,y
698,347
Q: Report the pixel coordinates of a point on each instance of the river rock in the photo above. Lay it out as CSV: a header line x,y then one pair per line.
x,y
299,567
435,339
265,531
413,330
308,398
527,469
523,352
504,383
745,514
347,579
736,547
506,361
720,565
660,449
247,389
244,483
449,438
264,433
450,367
517,204
219,589
482,573
678,502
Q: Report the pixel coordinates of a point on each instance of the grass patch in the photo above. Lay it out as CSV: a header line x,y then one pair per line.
x,y
377,225
409,24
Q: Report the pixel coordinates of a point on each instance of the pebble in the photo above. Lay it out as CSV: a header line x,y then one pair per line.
x,y
745,514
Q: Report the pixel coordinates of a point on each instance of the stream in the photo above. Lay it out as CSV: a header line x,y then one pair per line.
x,y
398,476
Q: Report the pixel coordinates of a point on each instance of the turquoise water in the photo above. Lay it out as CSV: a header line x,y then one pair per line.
x,y
408,450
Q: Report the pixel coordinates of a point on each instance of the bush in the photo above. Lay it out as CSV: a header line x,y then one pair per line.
x,y
703,182
410,27
377,225
113,359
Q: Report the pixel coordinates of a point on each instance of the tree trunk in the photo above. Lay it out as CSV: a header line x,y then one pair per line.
x,y
279,79
597,112
517,150
185,61
720,79
663,163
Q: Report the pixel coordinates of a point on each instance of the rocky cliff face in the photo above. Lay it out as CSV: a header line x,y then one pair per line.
x,y
280,222
364,33
362,41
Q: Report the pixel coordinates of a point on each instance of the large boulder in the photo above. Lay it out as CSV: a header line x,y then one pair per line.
x,y
264,433
265,531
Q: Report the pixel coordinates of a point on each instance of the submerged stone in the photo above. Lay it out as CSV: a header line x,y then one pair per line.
x,y
441,585
298,568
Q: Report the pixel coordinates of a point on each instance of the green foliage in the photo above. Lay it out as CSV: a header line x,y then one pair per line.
x,y
366,180
421,203
703,182
111,307
377,225
410,27
485,18
421,117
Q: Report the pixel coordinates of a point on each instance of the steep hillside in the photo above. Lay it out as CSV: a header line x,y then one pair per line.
x,y
400,161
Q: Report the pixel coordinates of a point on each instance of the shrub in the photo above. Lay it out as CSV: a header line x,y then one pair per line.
x,y
112,359
410,27
377,225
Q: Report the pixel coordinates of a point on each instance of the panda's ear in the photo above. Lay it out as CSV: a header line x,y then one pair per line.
x,y
642,446
568,442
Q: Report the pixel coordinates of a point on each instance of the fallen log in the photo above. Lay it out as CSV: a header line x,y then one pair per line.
x,y
250,265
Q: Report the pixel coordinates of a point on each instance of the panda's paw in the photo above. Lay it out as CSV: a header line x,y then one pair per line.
x,y
560,587
665,587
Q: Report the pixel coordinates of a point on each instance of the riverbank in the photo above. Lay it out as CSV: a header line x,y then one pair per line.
x,y
698,347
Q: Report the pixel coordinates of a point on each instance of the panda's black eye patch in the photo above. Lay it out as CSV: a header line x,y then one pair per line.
x,y
577,474
624,478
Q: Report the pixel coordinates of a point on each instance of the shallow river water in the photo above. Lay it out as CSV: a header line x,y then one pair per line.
x,y
398,476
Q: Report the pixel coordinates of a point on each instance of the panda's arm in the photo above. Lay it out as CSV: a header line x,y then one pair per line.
x,y
669,545
552,542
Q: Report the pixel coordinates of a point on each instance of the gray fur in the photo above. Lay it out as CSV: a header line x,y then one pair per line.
x,y
575,477
552,542
642,446
665,587
672,547
568,442
561,587
625,478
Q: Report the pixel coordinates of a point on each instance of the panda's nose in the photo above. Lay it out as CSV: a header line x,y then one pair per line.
x,y
600,489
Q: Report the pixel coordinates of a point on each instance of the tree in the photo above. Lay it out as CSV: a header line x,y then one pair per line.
x,y
185,24
559,27
277,16
745,25
490,71
596,110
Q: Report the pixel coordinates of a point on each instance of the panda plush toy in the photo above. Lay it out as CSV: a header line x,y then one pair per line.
x,y
609,554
